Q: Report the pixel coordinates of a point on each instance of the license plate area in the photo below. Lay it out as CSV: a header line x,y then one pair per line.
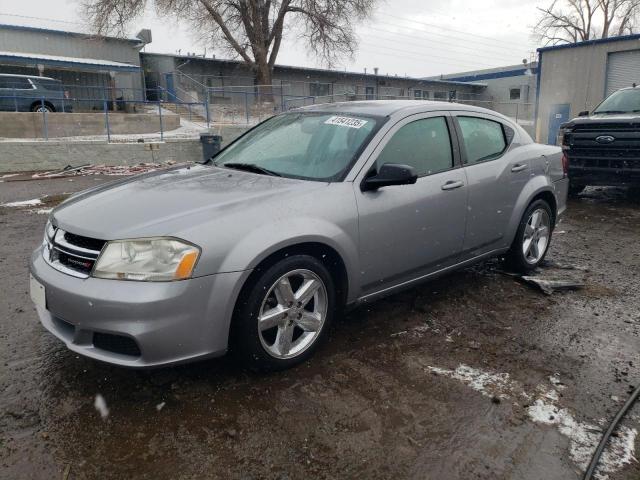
x,y
37,292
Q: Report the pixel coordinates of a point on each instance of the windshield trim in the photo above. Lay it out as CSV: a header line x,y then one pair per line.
x,y
381,120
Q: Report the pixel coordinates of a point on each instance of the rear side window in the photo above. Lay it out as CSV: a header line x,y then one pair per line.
x,y
424,144
48,84
483,139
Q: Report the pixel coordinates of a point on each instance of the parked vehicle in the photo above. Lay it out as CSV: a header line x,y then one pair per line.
x,y
603,148
26,93
312,210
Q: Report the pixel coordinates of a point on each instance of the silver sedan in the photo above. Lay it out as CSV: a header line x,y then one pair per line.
x,y
311,211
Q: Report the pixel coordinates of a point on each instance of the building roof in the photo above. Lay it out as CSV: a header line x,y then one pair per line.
x,y
29,28
590,42
322,70
61,61
493,73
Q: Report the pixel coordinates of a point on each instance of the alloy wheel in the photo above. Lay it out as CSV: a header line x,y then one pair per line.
x,y
292,313
536,236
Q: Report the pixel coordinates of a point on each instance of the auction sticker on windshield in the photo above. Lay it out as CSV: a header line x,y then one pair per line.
x,y
346,122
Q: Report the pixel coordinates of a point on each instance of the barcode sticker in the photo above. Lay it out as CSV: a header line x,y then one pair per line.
x,y
346,122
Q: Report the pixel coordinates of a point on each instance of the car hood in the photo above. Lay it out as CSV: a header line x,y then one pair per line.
x,y
159,203
606,118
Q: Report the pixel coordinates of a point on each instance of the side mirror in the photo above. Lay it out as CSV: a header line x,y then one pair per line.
x,y
390,174
584,113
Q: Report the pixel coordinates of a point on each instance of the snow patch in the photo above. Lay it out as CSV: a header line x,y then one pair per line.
x,y
489,384
42,211
23,203
583,437
101,406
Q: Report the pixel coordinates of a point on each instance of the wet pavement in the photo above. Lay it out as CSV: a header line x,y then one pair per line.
x,y
413,386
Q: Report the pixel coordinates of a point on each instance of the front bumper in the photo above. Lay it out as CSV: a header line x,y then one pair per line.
x,y
170,322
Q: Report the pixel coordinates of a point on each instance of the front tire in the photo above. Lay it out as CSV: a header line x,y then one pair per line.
x,y
532,239
284,314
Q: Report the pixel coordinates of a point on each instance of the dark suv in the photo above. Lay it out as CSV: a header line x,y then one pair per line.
x,y
25,93
603,148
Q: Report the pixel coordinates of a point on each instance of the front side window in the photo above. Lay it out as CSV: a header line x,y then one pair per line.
x,y
308,146
424,144
483,139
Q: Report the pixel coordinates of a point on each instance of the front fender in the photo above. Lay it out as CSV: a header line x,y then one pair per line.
x,y
534,187
268,239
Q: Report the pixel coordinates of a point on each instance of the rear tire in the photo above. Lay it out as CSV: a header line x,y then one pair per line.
x,y
532,239
284,314
38,107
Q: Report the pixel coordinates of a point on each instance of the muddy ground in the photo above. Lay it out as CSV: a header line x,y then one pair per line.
x,y
387,397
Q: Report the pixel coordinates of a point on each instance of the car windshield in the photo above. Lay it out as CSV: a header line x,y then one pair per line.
x,y
305,145
622,101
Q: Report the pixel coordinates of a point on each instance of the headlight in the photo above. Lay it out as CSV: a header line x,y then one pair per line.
x,y
49,232
147,259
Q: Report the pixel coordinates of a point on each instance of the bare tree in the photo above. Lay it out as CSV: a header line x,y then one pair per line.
x,y
570,21
250,29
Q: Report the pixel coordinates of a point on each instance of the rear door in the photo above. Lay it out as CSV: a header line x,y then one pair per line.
x,y
496,174
408,231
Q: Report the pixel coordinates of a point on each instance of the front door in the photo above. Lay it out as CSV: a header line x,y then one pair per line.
x,y
408,231
559,114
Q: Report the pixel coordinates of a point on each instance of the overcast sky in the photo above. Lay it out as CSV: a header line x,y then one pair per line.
x,y
413,37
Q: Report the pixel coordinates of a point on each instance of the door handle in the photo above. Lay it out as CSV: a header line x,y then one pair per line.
x,y
451,184
518,168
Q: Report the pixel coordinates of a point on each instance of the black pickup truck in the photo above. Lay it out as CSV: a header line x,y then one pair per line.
x,y
603,148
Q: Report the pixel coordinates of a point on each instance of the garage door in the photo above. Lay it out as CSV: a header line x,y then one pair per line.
x,y
623,70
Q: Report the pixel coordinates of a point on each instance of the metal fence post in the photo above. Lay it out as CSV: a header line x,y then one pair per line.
x,y
206,107
15,98
160,116
44,119
246,106
106,119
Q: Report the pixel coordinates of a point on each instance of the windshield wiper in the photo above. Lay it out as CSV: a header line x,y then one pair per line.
x,y
610,111
249,167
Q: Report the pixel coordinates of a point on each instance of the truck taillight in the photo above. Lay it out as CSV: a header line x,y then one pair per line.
x,y
565,165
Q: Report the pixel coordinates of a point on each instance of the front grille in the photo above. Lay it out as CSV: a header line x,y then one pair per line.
x,y
84,242
620,156
116,344
72,254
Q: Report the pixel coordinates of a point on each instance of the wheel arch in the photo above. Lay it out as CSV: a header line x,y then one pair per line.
x,y
538,188
322,251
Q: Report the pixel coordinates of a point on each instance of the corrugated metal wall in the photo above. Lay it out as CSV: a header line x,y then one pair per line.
x,y
623,70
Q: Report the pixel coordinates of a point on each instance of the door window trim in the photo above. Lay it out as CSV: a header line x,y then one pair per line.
x,y
463,148
382,143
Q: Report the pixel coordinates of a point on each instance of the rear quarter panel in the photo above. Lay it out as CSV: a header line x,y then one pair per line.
x,y
546,175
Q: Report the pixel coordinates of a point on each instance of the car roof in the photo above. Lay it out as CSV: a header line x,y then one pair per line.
x,y
15,75
386,108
